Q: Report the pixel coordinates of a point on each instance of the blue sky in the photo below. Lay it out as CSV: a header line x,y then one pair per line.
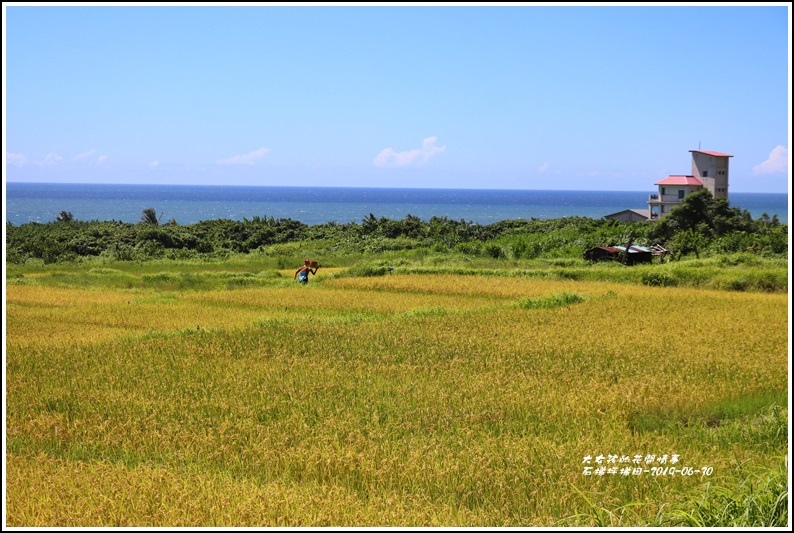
x,y
566,97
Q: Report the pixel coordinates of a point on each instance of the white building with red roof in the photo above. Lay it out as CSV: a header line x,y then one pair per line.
x,y
709,171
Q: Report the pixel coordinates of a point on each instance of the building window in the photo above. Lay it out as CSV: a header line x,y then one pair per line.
x,y
663,193
681,193
705,173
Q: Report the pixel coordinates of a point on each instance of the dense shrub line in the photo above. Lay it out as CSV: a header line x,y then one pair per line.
x,y
702,225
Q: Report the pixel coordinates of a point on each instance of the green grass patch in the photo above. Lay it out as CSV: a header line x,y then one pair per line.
x,y
561,299
764,408
431,311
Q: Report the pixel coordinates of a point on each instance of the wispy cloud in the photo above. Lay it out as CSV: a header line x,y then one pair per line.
x,y
50,159
776,163
16,159
78,157
245,159
388,158
543,168
154,164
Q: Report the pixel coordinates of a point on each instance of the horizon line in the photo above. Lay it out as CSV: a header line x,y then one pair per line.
x,y
348,187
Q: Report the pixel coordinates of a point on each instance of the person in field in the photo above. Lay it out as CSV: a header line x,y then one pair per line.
x,y
302,274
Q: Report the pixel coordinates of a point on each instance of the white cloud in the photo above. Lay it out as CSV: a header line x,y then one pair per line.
x,y
101,159
50,159
388,158
78,157
777,162
543,168
245,159
154,164
16,159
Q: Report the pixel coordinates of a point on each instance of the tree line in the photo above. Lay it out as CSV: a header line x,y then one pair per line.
x,y
703,224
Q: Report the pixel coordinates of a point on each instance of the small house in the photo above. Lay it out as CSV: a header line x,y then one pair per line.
x,y
630,215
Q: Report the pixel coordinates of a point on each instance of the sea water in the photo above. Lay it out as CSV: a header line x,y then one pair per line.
x,y
188,204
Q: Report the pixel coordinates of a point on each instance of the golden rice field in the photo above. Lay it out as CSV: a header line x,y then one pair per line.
x,y
410,400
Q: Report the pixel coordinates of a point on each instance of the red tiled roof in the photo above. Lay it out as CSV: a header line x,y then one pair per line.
x,y
715,154
679,180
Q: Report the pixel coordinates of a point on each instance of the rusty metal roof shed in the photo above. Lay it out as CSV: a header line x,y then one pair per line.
x,y
634,249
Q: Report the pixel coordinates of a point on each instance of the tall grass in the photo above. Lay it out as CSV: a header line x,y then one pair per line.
x,y
737,272
760,500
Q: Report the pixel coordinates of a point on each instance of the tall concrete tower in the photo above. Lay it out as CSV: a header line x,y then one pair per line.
x,y
711,168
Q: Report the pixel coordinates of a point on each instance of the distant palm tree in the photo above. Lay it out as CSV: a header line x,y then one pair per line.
x,y
149,216
64,216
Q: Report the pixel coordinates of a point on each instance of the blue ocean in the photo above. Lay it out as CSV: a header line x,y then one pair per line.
x,y
188,204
